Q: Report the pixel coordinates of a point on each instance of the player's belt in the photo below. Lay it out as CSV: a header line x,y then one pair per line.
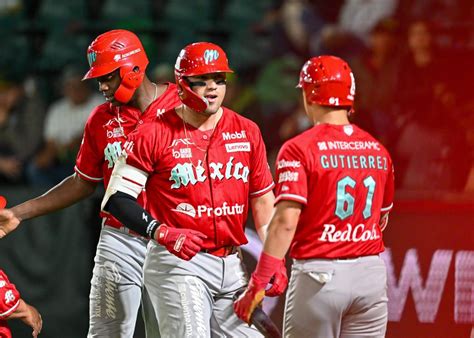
x,y
222,252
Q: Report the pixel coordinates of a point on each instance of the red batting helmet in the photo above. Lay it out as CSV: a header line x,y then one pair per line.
x,y
328,81
118,49
198,59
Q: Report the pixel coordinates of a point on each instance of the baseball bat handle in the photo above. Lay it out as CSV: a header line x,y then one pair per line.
x,y
262,321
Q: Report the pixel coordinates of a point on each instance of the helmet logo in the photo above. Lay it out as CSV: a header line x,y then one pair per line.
x,y
91,57
117,57
353,87
210,55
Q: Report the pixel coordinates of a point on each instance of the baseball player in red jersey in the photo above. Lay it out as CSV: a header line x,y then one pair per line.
x,y
118,62
202,165
13,307
333,194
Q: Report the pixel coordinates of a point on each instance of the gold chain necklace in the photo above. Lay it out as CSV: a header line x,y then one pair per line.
x,y
156,92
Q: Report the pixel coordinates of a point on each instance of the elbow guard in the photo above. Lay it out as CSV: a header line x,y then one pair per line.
x,y
126,179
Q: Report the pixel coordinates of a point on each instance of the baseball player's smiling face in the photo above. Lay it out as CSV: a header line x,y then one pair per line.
x,y
108,84
212,87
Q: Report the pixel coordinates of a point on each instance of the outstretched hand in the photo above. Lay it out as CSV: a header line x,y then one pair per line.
x,y
28,315
183,243
34,320
8,221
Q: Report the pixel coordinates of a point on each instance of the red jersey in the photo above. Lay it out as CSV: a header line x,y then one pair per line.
x,y
9,301
189,189
105,134
344,179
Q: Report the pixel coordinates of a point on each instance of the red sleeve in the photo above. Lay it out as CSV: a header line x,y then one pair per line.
x,y
89,160
9,296
291,178
261,180
142,147
388,192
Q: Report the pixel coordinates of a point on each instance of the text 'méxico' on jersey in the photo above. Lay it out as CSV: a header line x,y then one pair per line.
x,y
187,188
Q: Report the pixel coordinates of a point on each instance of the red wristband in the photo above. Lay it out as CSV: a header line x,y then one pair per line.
x,y
267,266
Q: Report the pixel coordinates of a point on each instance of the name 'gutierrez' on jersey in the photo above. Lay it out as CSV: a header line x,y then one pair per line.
x,y
357,172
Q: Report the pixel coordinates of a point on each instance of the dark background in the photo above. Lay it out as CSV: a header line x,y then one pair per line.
x,y
413,66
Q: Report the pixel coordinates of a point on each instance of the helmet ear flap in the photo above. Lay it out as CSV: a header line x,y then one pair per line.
x,y
190,98
131,77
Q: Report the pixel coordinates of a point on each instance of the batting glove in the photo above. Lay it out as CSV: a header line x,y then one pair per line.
x,y
252,297
279,281
183,243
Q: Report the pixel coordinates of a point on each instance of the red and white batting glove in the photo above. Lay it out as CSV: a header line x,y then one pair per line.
x,y
267,266
250,299
183,243
279,281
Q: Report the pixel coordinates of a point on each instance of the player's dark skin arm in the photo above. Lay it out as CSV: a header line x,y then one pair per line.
x,y
29,315
71,190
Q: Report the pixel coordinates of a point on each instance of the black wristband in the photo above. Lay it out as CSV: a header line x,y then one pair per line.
x,y
127,210
151,228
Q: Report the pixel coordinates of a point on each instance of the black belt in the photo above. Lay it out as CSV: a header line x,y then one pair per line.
x,y
222,251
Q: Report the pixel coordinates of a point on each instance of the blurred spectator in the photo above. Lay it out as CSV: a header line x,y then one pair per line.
x,y
237,96
299,21
331,40
294,124
360,16
277,96
64,124
425,74
292,23
349,35
443,12
21,127
376,74
162,72
9,6
291,126
430,151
